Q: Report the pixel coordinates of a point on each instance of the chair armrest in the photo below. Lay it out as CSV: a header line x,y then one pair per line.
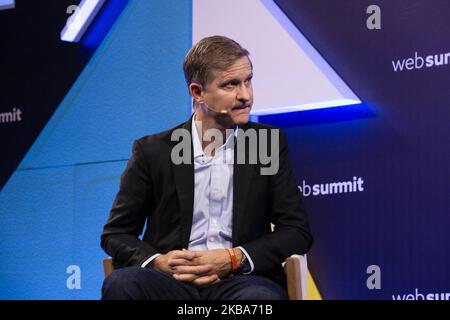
x,y
296,269
108,266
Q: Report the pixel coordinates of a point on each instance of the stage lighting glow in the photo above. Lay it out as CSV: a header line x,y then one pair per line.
x,y
304,107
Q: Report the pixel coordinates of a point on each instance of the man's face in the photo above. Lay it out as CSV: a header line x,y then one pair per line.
x,y
230,90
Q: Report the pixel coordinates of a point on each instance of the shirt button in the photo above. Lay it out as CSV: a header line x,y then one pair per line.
x,y
211,239
214,221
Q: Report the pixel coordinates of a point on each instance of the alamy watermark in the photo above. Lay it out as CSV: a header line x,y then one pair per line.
x,y
373,22
253,152
374,279
73,281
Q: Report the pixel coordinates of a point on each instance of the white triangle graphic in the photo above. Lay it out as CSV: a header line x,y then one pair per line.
x,y
289,74
7,4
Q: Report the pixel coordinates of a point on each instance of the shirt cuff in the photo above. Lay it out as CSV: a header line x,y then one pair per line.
x,y
146,262
252,266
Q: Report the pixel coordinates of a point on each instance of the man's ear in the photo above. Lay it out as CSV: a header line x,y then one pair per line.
x,y
196,91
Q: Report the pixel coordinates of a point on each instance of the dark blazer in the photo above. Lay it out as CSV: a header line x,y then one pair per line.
x,y
155,191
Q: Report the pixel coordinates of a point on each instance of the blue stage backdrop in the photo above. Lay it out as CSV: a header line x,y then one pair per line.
x,y
55,203
374,175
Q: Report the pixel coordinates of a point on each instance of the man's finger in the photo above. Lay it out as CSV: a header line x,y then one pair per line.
x,y
181,262
185,277
184,254
205,280
198,270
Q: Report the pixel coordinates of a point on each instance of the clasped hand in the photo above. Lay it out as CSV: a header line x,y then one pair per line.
x,y
201,268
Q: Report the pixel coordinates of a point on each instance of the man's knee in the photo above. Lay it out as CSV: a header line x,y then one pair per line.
x,y
263,289
134,283
263,293
123,284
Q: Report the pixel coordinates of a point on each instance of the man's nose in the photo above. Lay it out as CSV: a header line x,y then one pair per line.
x,y
244,93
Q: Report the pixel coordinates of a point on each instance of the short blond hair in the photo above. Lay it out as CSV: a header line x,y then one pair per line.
x,y
209,54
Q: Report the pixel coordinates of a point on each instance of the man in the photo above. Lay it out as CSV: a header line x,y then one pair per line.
x,y
208,209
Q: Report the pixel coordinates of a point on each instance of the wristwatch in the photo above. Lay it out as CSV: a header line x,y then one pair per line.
x,y
245,265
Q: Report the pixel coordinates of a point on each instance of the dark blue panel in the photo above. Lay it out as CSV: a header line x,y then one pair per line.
x,y
400,221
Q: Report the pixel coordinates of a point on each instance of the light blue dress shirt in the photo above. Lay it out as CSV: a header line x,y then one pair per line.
x,y
213,195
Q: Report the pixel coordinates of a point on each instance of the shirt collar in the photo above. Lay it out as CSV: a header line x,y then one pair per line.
x,y
198,150
197,146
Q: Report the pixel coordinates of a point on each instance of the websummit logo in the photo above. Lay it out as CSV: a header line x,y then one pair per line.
x,y
355,185
418,62
420,296
12,116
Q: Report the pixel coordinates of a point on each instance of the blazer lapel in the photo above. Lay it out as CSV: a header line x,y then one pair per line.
x,y
241,185
184,184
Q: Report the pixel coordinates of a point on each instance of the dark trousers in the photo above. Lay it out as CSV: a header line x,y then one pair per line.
x,y
134,283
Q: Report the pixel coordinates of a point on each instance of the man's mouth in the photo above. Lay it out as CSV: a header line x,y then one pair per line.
x,y
241,107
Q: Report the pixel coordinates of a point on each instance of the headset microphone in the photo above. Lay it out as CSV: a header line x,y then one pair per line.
x,y
223,111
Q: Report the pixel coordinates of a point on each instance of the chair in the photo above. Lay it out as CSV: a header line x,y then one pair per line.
x,y
295,266
296,269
